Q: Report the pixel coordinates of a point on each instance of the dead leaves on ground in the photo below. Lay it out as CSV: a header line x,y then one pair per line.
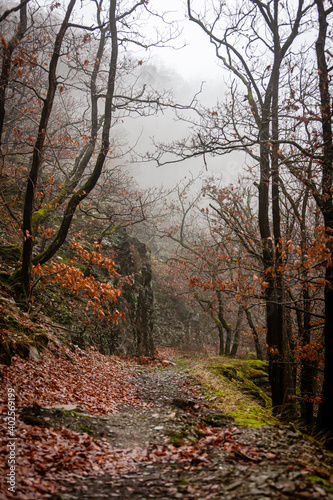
x,y
237,450
46,457
195,454
88,379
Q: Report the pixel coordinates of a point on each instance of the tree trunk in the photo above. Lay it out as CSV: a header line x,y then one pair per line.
x,y
325,420
7,62
254,333
25,272
280,360
307,371
237,332
37,157
217,319
221,339
224,325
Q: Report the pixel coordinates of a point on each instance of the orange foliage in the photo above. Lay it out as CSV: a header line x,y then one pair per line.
x,y
99,294
309,352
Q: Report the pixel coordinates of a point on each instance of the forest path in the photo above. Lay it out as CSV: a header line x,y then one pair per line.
x,y
184,448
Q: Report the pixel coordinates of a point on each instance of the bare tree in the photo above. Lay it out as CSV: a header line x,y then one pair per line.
x,y
239,34
72,90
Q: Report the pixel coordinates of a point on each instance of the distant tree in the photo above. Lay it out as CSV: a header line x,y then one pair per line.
x,y
214,262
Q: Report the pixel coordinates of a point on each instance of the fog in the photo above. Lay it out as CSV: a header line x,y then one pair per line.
x,y
183,66
184,69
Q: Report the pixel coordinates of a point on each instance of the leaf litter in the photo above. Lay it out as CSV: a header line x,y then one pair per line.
x,y
156,443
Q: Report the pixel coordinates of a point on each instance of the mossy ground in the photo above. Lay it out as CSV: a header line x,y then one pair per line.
x,y
320,481
17,332
239,387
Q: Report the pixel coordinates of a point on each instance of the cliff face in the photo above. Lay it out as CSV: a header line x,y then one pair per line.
x,y
132,258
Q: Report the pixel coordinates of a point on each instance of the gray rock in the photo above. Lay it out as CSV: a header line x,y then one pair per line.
x,y
34,354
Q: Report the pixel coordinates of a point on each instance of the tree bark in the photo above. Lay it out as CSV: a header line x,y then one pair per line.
x,y
325,420
25,272
235,343
37,157
254,333
7,62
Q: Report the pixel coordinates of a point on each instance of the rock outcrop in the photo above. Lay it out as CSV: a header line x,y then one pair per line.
x,y
134,336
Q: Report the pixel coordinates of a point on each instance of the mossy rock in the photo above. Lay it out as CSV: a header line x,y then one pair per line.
x,y
250,376
12,324
320,481
6,353
238,388
230,372
11,346
17,338
254,390
10,253
253,416
41,341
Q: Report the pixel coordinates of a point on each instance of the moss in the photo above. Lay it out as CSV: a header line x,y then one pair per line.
x,y
253,389
248,375
177,438
71,413
87,429
251,355
253,416
233,385
324,483
216,420
10,253
181,361
12,324
11,344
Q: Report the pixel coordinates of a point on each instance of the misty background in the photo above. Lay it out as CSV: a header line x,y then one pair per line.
x,y
186,66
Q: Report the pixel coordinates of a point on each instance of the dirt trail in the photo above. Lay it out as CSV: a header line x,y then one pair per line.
x,y
183,448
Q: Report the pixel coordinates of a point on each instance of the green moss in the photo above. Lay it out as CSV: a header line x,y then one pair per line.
x,y
177,438
12,324
10,253
253,416
238,388
183,482
40,214
88,429
253,389
248,375
321,482
217,420
181,361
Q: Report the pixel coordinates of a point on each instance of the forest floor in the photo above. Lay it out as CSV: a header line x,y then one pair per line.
x,y
188,449
90,426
